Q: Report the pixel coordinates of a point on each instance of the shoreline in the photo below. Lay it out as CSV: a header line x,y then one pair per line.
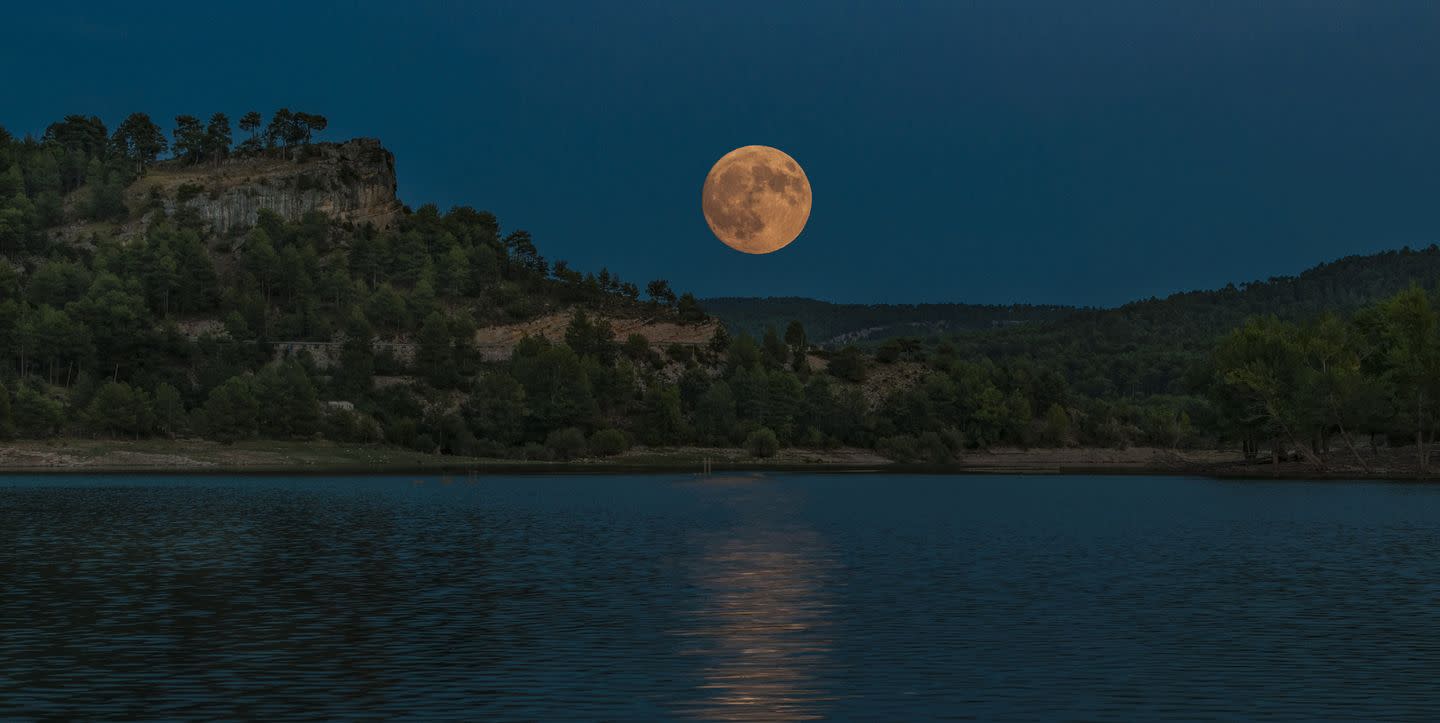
x,y
71,456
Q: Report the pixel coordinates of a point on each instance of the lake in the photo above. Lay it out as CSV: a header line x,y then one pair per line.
x,y
778,596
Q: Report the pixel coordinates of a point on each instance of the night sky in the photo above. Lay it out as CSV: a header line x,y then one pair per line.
x,y
1048,151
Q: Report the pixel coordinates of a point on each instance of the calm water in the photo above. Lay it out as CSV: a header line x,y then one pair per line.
x,y
784,596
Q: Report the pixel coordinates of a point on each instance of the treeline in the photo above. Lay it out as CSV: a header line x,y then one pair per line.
x,y
95,338
79,151
178,334
1156,346
1346,382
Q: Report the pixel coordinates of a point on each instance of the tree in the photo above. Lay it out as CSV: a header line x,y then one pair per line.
x,y
848,364
190,139
169,410
784,404
799,346
261,260
720,340
1335,381
217,138
36,416
120,409
386,308
663,421
57,283
231,411
7,420
73,143
307,124
522,249
496,409
250,123
660,293
1057,426
282,130
139,139
55,339
744,353
453,276
608,442
1412,361
567,443
688,308
715,414
558,392
18,222
12,182
595,339
287,402
107,192
357,355
1258,367
434,356
762,443
85,135
409,256
774,352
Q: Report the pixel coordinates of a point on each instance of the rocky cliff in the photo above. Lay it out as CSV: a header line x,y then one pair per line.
x,y
351,182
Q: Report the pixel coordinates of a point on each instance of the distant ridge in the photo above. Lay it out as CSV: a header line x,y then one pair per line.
x,y
1338,286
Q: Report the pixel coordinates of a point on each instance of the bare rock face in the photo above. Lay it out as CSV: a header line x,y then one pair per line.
x,y
351,182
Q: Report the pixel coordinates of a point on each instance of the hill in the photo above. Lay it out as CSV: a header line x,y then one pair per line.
x,y
1147,347
275,289
1143,347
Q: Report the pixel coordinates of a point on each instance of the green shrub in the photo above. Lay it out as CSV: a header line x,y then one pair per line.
x,y
608,442
567,443
186,191
901,448
934,449
762,443
848,364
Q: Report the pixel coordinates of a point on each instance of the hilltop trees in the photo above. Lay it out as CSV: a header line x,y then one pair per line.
x,y
140,140
189,137
196,142
217,138
251,123
660,293
287,128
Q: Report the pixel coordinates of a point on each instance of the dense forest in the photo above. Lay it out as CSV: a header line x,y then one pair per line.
x,y
141,321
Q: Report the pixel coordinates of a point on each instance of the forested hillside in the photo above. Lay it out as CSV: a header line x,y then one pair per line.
x,y
187,285
156,284
1147,347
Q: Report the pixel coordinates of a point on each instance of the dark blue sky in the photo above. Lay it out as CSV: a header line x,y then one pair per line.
x,y
1042,151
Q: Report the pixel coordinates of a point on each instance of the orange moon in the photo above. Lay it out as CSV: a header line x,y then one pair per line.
x,y
756,199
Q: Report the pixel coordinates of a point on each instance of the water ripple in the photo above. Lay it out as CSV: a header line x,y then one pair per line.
x,y
785,597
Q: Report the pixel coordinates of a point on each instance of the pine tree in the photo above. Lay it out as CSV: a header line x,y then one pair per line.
x,y
189,139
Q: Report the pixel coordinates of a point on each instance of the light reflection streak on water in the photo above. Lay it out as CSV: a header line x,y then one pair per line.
x,y
761,625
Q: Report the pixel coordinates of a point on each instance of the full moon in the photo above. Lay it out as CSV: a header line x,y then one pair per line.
x,y
756,199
